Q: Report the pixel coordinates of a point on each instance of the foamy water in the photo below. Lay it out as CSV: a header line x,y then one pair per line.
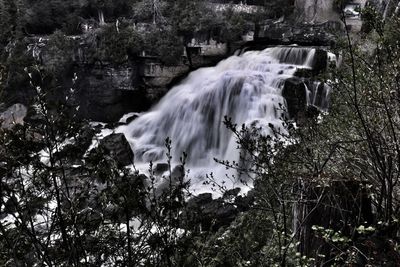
x,y
246,88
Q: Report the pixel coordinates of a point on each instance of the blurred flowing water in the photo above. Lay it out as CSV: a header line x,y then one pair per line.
x,y
247,88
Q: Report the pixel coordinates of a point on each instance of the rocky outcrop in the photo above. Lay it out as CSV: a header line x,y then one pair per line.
x,y
156,74
285,33
156,78
106,92
305,97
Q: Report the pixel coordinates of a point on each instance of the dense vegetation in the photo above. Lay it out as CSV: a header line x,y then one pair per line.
x,y
27,17
61,206
114,32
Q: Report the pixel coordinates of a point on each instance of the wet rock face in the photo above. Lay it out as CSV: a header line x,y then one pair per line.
x,y
105,93
304,90
318,65
305,98
103,90
320,61
158,75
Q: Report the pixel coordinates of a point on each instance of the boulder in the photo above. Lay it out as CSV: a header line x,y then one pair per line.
x,y
13,115
160,168
303,73
217,214
131,118
178,172
199,200
232,193
118,148
295,93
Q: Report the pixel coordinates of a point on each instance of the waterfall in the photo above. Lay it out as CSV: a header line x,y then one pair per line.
x,y
318,95
294,55
246,88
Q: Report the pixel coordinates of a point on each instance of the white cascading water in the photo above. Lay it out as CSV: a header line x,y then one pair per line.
x,y
246,88
101,17
318,95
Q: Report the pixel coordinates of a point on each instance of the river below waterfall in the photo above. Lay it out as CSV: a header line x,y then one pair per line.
x,y
247,88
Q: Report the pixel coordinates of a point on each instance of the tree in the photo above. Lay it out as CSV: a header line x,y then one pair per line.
x,y
64,206
168,49
234,25
117,45
44,17
109,9
379,146
59,54
338,171
150,11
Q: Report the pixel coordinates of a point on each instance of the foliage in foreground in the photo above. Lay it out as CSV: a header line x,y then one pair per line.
x,y
59,210
61,207
332,189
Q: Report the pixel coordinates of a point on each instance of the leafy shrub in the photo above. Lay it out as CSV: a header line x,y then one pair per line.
x,y
17,82
59,52
116,45
44,17
234,25
169,48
